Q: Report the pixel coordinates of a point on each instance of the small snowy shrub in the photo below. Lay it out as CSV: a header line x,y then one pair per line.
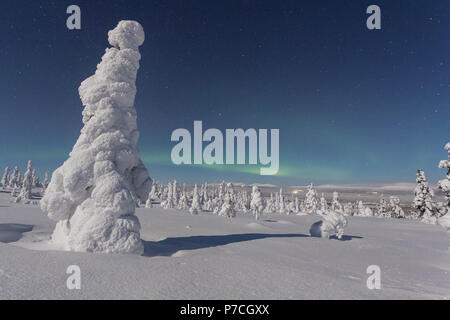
x,y
332,224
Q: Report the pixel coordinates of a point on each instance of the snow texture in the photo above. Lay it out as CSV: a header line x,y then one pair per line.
x,y
207,257
93,195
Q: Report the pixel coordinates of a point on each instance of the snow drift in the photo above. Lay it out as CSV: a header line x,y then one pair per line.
x,y
93,194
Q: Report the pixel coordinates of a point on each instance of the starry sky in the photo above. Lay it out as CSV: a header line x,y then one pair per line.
x,y
353,105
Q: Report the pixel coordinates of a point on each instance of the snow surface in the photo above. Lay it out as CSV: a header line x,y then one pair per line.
x,y
205,256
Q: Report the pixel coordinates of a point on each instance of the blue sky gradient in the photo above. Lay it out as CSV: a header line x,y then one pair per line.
x,y
352,105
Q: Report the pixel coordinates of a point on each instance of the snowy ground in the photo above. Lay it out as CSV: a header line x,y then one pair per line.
x,y
211,257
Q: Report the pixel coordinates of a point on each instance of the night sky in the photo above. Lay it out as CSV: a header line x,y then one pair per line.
x,y
353,105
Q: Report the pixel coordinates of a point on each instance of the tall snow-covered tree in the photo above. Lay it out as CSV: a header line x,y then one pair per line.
x,y
311,201
5,178
382,209
27,183
152,195
45,182
290,207
270,204
183,201
195,205
349,209
227,207
281,203
363,210
394,207
423,199
323,206
92,195
296,205
35,179
14,179
335,204
175,193
168,202
256,203
444,185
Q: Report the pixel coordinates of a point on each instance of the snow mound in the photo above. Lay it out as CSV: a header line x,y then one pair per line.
x,y
255,225
445,221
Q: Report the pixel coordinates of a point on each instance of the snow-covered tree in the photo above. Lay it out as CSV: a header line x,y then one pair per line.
x,y
270,206
45,182
5,178
349,209
244,204
256,204
221,194
15,193
149,203
92,195
333,223
311,201
175,193
195,205
14,179
444,185
227,207
394,207
27,183
290,206
335,204
363,210
281,204
323,206
183,201
382,209
153,195
423,199
168,202
296,205
35,179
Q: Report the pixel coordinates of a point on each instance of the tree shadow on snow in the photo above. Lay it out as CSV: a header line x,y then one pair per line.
x,y
12,232
348,237
169,246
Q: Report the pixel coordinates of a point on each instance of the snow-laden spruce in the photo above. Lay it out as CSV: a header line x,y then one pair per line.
x,y
93,195
423,199
311,201
195,205
335,204
45,182
444,185
5,178
256,203
27,184
14,178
